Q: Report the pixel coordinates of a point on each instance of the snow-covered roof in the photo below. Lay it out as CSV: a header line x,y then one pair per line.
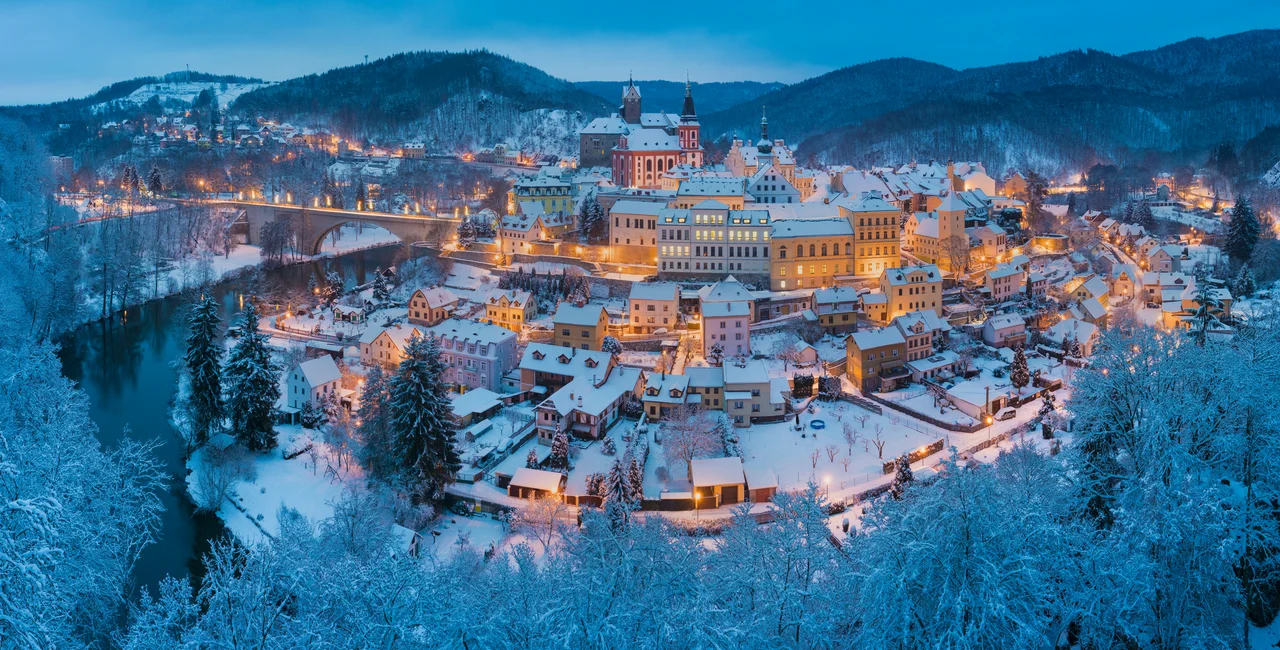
x,y
537,479
705,376
707,472
436,296
1095,286
867,339
835,295
940,360
926,226
901,276
647,208
514,297
726,309
745,372
927,317
1093,308
1003,271
951,202
320,370
569,314
560,360
1078,329
875,298
836,227
398,333
470,331
476,400
655,291
760,478
712,186
666,388
723,291
1005,321
590,394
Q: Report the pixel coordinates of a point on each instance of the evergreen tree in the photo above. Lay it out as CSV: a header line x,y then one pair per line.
x,y
1071,204
1206,303
559,458
1244,284
635,481
1068,343
618,501
422,429
1019,375
531,461
1129,212
154,183
362,200
612,345
902,477
1143,216
252,385
204,368
375,425
1242,232
381,288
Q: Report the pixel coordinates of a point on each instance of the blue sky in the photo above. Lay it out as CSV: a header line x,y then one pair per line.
x,y
54,49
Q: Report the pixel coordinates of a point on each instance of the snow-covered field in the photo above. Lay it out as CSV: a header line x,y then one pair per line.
x,y
187,91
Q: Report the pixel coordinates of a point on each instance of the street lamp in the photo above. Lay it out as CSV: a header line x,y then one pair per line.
x,y
828,480
696,496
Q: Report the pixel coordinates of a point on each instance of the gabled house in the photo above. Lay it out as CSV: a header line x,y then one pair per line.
x,y
509,308
313,381
431,306
580,327
875,361
664,392
386,346
1004,330
589,405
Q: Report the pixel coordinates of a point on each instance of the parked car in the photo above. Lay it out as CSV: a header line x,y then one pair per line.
x,y
1006,413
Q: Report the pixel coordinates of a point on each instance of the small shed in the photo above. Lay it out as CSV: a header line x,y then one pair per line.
x,y
406,540
718,481
762,484
534,483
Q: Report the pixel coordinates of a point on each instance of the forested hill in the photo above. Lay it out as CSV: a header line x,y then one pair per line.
x,y
669,95
43,116
394,93
1052,113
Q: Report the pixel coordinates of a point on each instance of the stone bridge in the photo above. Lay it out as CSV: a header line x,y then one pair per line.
x,y
314,224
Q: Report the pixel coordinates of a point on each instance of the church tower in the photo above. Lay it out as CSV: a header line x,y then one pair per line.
x,y
630,109
690,147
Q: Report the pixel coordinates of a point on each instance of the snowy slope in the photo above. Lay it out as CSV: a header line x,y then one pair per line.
x,y
187,91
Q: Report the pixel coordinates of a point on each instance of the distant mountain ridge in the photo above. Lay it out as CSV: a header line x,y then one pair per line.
x,y
669,95
1057,112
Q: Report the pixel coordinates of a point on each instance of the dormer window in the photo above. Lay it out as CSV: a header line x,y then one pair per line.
x,y
539,355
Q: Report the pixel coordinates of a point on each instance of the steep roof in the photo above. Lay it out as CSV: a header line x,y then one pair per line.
x,y
867,340
568,314
320,370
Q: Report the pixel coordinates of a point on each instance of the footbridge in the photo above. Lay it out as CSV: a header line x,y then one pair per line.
x,y
314,224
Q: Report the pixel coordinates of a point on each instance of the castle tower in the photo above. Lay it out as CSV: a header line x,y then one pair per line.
x,y
765,145
630,109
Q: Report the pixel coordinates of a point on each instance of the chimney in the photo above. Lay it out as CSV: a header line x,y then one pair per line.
x,y
579,401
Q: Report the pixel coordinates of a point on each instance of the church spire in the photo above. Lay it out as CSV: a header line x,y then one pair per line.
x,y
687,112
765,145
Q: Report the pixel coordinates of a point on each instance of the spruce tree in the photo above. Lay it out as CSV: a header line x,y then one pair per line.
x,y
1143,216
902,476
362,201
252,385
635,481
531,461
422,428
374,425
204,368
1206,303
1244,284
559,458
154,184
1242,232
1019,375
618,498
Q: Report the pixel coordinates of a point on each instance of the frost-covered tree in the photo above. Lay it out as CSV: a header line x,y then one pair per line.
x,y
902,477
611,345
689,432
559,458
1244,284
251,382
1019,375
204,370
155,182
1242,232
635,480
422,428
1143,216
531,460
1207,304
374,425
618,502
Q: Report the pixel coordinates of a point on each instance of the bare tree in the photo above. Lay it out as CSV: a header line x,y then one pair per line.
x,y
544,519
851,434
689,432
787,351
879,443
831,450
844,462
814,456
862,419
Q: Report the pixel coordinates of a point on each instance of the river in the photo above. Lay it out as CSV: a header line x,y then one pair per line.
x,y
129,368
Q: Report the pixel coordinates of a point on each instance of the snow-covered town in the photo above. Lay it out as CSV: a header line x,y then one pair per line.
x,y
440,350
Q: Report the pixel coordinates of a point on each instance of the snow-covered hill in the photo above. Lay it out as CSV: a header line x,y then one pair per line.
x,y
186,92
